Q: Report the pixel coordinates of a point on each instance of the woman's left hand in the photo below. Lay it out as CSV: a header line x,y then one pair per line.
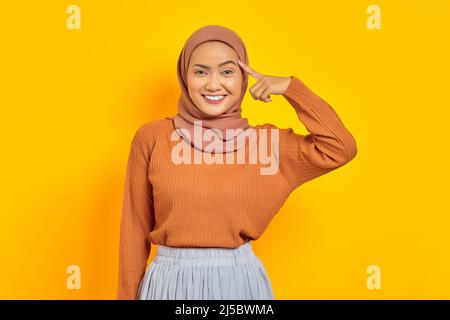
x,y
265,85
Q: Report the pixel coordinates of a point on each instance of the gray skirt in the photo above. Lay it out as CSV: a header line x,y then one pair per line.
x,y
205,274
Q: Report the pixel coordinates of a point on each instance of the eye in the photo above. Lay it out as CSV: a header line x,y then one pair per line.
x,y
231,71
197,72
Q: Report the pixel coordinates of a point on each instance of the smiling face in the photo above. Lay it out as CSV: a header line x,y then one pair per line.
x,y
213,71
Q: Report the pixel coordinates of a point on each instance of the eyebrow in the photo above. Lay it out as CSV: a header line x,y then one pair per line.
x,y
223,63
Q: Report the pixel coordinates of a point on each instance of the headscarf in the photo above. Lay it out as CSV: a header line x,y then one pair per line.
x,y
188,112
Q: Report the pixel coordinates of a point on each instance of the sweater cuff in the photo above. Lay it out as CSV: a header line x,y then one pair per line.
x,y
298,91
128,291
129,282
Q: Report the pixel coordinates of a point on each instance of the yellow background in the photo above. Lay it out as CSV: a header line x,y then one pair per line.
x,y
71,101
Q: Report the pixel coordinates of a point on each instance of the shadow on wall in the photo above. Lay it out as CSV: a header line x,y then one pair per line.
x,y
156,96
152,97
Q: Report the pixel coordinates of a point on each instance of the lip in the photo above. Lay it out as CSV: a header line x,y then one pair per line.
x,y
213,101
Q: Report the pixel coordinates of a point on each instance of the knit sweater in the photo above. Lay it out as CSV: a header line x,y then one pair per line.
x,y
219,205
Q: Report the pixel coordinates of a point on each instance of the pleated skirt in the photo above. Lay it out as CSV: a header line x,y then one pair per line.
x,y
205,274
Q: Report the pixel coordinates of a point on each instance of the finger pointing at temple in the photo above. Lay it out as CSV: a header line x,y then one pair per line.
x,y
250,71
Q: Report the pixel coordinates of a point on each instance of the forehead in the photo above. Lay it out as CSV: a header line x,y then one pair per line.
x,y
213,51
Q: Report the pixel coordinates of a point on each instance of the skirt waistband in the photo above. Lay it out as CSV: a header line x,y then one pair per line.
x,y
205,256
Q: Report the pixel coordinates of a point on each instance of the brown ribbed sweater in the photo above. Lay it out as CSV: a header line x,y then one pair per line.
x,y
218,205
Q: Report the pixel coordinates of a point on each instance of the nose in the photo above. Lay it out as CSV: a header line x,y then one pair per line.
x,y
213,84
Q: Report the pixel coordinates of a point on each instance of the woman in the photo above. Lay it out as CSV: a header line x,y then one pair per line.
x,y
203,215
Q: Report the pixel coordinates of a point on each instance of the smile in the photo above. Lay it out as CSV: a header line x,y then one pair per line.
x,y
213,99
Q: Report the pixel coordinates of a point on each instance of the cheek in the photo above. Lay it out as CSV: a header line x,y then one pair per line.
x,y
234,85
237,89
194,84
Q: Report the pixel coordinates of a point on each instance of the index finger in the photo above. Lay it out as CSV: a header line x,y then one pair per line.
x,y
250,71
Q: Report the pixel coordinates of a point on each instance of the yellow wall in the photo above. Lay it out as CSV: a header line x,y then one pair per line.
x,y
72,99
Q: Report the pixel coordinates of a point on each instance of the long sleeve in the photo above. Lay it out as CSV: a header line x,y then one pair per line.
x,y
137,220
328,145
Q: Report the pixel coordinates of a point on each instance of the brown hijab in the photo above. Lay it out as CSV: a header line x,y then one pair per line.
x,y
188,112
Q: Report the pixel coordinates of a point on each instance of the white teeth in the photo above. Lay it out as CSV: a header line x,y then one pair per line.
x,y
214,97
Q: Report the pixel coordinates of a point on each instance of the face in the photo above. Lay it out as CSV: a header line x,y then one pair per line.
x,y
213,71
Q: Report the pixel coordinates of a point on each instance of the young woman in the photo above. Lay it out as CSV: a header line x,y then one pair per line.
x,y
184,194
